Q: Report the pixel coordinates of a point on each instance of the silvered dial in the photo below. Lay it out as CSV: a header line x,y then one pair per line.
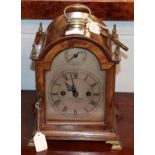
x,y
75,93
75,56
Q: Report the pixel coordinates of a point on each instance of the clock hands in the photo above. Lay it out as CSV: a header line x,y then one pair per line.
x,y
75,93
72,87
69,87
74,56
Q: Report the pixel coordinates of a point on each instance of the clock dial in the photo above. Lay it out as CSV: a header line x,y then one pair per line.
x,y
75,56
75,89
75,93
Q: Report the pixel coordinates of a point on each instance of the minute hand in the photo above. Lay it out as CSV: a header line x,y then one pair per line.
x,y
74,56
73,85
75,93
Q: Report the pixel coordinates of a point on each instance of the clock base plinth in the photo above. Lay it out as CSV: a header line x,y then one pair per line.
x,y
81,135
116,145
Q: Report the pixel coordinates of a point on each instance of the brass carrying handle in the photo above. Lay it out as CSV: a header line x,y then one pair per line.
x,y
77,6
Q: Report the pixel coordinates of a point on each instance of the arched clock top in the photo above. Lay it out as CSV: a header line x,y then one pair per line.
x,y
57,30
98,51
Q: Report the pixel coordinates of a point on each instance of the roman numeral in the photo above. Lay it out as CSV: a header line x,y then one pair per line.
x,y
75,112
57,84
85,109
96,94
57,102
64,109
65,76
92,85
86,78
93,103
75,74
54,94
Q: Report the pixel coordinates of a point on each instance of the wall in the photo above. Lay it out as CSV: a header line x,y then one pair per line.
x,y
125,70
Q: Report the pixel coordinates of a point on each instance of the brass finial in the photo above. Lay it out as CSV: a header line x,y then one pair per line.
x,y
40,28
117,53
33,53
114,31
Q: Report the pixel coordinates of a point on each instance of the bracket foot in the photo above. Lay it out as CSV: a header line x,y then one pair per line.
x,y
31,143
115,145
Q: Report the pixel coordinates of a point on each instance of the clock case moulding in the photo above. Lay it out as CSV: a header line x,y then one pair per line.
x,y
54,41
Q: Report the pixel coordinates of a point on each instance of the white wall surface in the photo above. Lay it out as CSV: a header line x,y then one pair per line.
x,y
125,70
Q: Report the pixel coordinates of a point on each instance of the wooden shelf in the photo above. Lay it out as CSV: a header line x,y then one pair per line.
x,y
105,9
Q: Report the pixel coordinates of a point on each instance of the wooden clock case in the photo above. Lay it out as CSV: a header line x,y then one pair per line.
x,y
54,41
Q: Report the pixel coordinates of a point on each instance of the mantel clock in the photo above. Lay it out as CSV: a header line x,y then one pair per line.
x,y
75,65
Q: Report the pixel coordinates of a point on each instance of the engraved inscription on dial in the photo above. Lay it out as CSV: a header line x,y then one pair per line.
x,y
75,93
75,56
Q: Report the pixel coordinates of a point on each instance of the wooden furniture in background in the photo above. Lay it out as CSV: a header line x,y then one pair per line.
x,y
105,9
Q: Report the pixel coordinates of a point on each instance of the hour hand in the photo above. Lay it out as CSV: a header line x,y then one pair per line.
x,y
74,56
69,87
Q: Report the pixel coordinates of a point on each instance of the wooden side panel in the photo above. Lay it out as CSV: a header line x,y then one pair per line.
x,y
110,88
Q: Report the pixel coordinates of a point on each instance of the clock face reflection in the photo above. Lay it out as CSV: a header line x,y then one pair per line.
x,y
75,56
74,93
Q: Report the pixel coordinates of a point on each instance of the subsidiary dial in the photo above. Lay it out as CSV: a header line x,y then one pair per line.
x,y
75,93
75,56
